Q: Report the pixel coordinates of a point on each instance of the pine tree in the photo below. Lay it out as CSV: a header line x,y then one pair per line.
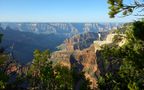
x,y
120,6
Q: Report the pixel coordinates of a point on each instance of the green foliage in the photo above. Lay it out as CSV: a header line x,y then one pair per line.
x,y
115,7
40,58
120,6
3,76
2,85
42,75
45,76
3,80
63,77
3,58
123,67
138,30
40,70
133,86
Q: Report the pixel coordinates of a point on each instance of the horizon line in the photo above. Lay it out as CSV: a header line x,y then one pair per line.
x,y
60,22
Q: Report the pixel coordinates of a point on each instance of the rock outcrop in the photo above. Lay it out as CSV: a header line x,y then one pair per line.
x,y
82,41
85,59
109,40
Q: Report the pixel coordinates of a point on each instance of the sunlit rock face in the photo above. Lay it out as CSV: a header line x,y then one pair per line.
x,y
26,37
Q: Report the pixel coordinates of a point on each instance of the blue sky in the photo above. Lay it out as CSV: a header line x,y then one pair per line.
x,y
56,11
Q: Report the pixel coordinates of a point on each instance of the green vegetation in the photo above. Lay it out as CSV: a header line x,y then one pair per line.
x,y
120,67
123,67
120,6
41,74
44,76
3,59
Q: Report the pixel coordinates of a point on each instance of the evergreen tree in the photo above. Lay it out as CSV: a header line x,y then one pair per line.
x,y
125,65
44,76
120,6
3,59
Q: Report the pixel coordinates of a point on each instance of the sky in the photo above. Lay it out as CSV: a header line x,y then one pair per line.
x,y
57,11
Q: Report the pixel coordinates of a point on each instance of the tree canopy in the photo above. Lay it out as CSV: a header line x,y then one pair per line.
x,y
123,67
